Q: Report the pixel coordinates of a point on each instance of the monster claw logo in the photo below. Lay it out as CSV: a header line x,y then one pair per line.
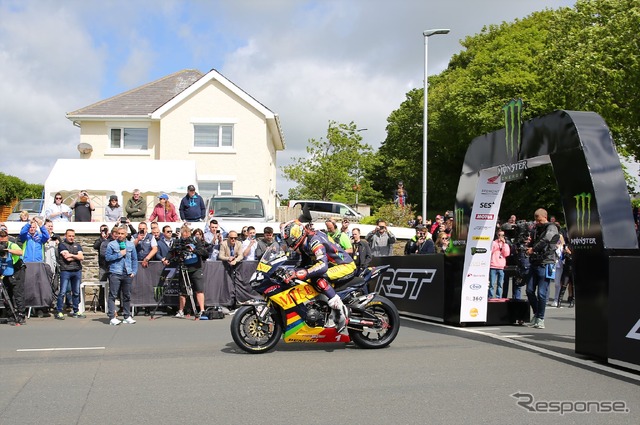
x,y
459,220
512,126
158,292
583,211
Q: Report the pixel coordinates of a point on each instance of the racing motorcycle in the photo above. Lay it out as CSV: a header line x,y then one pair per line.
x,y
297,310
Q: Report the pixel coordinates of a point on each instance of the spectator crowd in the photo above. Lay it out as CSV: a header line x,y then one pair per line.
x,y
122,249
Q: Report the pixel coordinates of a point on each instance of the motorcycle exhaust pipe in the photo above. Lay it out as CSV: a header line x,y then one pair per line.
x,y
362,322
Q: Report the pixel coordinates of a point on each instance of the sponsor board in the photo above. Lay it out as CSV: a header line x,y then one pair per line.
x,y
482,226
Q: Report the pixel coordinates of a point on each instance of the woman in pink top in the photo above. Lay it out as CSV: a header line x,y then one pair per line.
x,y
164,211
500,250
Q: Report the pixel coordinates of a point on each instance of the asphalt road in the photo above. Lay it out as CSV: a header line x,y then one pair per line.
x,y
178,371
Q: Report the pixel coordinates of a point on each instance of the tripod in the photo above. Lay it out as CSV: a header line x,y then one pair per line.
x,y
169,273
94,301
7,300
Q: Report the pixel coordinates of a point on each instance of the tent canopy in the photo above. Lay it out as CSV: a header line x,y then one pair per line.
x,y
103,177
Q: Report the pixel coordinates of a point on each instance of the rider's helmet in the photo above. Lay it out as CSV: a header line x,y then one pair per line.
x,y
294,233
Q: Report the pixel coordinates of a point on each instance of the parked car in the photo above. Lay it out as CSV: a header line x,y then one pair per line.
x,y
32,206
327,209
231,208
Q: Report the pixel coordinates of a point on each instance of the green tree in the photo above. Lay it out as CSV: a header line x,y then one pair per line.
x,y
581,58
12,188
332,167
593,65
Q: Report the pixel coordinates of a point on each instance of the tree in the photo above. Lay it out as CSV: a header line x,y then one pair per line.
x,y
12,188
581,58
333,166
593,65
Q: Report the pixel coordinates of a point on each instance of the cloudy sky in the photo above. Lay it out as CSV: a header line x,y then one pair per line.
x,y
309,61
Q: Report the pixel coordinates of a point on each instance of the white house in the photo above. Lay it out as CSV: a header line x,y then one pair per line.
x,y
232,138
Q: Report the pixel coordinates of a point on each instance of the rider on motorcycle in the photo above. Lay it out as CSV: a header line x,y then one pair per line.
x,y
327,263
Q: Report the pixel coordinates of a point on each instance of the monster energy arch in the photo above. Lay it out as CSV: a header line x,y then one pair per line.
x,y
597,209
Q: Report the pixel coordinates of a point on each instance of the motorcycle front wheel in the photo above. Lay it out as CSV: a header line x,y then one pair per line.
x,y
253,335
384,334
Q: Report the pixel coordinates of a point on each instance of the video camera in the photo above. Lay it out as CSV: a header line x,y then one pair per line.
x,y
181,249
4,246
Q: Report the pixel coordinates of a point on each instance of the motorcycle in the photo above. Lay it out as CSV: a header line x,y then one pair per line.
x,y
300,312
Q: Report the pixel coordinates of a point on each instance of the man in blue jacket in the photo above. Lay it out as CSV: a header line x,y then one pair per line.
x,y
123,266
33,236
192,206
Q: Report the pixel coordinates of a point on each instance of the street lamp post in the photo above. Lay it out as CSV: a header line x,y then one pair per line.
x,y
426,34
357,185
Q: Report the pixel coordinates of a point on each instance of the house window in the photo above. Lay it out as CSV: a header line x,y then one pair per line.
x,y
129,138
213,136
209,188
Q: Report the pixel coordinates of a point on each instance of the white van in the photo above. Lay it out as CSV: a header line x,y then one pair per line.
x,y
327,209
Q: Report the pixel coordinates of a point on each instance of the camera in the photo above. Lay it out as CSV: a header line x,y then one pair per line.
x,y
54,237
4,246
123,220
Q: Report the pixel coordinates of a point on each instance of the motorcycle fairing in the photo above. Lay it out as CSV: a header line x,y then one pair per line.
x,y
297,330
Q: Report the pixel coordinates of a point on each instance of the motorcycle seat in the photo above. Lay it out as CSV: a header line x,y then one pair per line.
x,y
354,282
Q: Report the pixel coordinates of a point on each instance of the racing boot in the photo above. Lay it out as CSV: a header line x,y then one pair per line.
x,y
340,314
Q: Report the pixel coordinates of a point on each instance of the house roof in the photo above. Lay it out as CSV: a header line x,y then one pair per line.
x,y
143,100
154,99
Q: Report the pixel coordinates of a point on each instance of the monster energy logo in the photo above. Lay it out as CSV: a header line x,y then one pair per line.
x,y
513,126
458,220
583,211
158,292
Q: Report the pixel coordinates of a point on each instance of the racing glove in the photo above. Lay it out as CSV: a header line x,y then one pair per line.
x,y
296,274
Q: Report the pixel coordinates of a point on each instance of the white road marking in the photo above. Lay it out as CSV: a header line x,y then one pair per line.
x,y
60,349
587,363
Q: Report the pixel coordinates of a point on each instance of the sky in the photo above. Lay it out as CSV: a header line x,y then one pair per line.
x,y
309,61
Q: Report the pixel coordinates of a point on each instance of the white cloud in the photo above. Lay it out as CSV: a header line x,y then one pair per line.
x,y
41,48
308,61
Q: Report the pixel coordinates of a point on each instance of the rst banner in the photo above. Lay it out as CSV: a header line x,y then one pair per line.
x,y
482,227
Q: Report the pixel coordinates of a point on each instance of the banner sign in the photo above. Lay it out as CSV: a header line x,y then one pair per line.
x,y
482,228
414,283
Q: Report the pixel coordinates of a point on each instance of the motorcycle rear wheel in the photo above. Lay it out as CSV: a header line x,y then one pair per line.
x,y
381,336
252,335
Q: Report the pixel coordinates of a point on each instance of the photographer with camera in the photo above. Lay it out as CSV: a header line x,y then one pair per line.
x,y
83,207
381,240
420,243
146,245
542,255
188,252
12,271
123,266
100,245
250,244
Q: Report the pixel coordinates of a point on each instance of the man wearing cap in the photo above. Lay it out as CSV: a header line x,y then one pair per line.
x,y
192,207
164,211
12,270
136,207
416,245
